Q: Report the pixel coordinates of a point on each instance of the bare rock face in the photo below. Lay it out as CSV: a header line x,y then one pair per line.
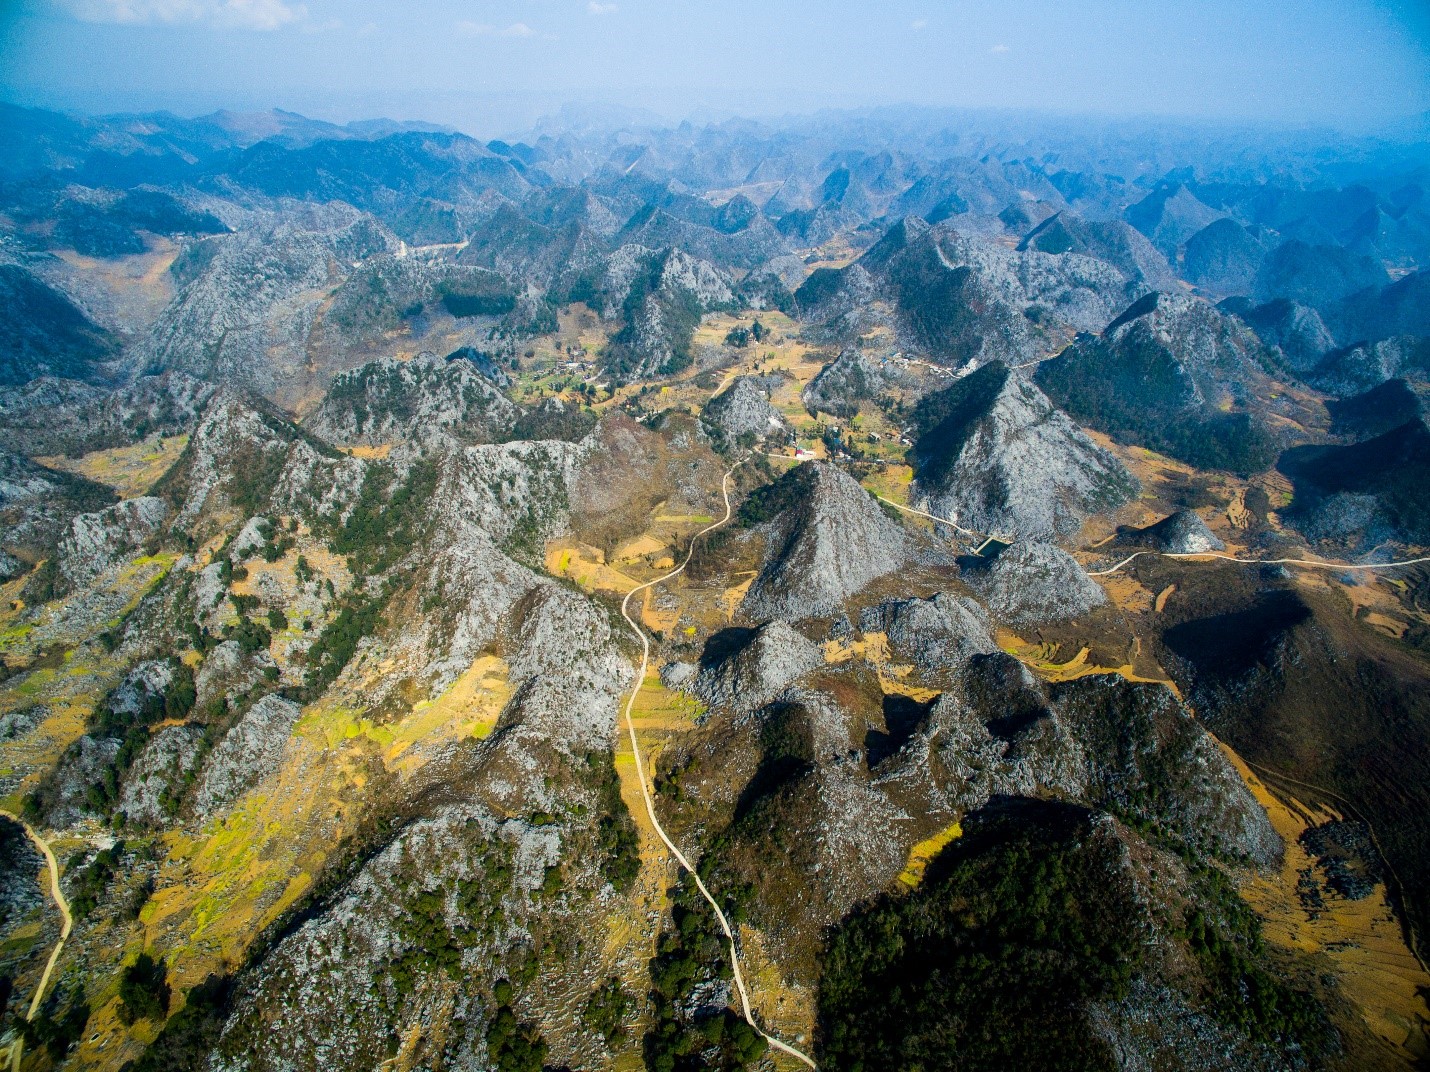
x,y
1108,742
1113,241
248,753
1358,368
663,295
767,660
1175,766
843,383
426,400
938,635
152,783
826,545
996,456
568,671
744,409
84,764
242,457
1174,374
37,504
1293,331
52,416
1029,583
98,541
1182,533
247,302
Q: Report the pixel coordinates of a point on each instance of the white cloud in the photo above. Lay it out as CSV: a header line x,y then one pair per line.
x,y
486,29
225,14
919,24
998,50
600,9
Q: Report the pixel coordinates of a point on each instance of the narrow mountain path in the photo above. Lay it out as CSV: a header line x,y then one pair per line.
x,y
645,788
18,1049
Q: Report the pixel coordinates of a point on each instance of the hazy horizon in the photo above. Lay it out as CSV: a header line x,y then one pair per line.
x,y
497,66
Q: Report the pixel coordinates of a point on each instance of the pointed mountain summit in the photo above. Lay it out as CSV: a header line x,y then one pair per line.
x,y
828,540
1173,374
996,455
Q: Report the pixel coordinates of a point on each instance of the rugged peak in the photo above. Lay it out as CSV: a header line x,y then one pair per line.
x,y
1293,330
1175,374
97,541
744,668
1182,533
744,409
1033,583
843,383
995,455
243,458
426,400
897,238
828,540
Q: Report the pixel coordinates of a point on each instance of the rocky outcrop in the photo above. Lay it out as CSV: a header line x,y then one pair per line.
x,y
824,546
95,542
427,400
247,301
241,457
154,783
1113,241
1031,583
50,416
994,455
744,409
961,300
843,383
1182,533
1358,368
662,297
37,504
1174,374
247,754
938,635
764,662
1292,331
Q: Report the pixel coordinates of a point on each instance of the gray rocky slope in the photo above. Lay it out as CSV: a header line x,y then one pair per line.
x,y
995,455
959,300
843,790
744,409
426,400
828,542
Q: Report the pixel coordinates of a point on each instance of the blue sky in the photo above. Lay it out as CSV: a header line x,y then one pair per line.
x,y
492,65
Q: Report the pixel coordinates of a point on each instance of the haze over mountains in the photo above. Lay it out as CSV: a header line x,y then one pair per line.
x,y
328,454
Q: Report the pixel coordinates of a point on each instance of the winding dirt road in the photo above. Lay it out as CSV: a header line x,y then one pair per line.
x,y
1307,563
645,789
18,1049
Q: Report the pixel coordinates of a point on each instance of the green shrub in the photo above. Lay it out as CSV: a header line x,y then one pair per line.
x,y
144,990
607,1010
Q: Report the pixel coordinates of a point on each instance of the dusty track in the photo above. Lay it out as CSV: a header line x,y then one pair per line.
x,y
645,789
17,1051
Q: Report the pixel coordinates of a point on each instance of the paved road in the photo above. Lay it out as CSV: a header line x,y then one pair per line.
x,y
17,1051
645,790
